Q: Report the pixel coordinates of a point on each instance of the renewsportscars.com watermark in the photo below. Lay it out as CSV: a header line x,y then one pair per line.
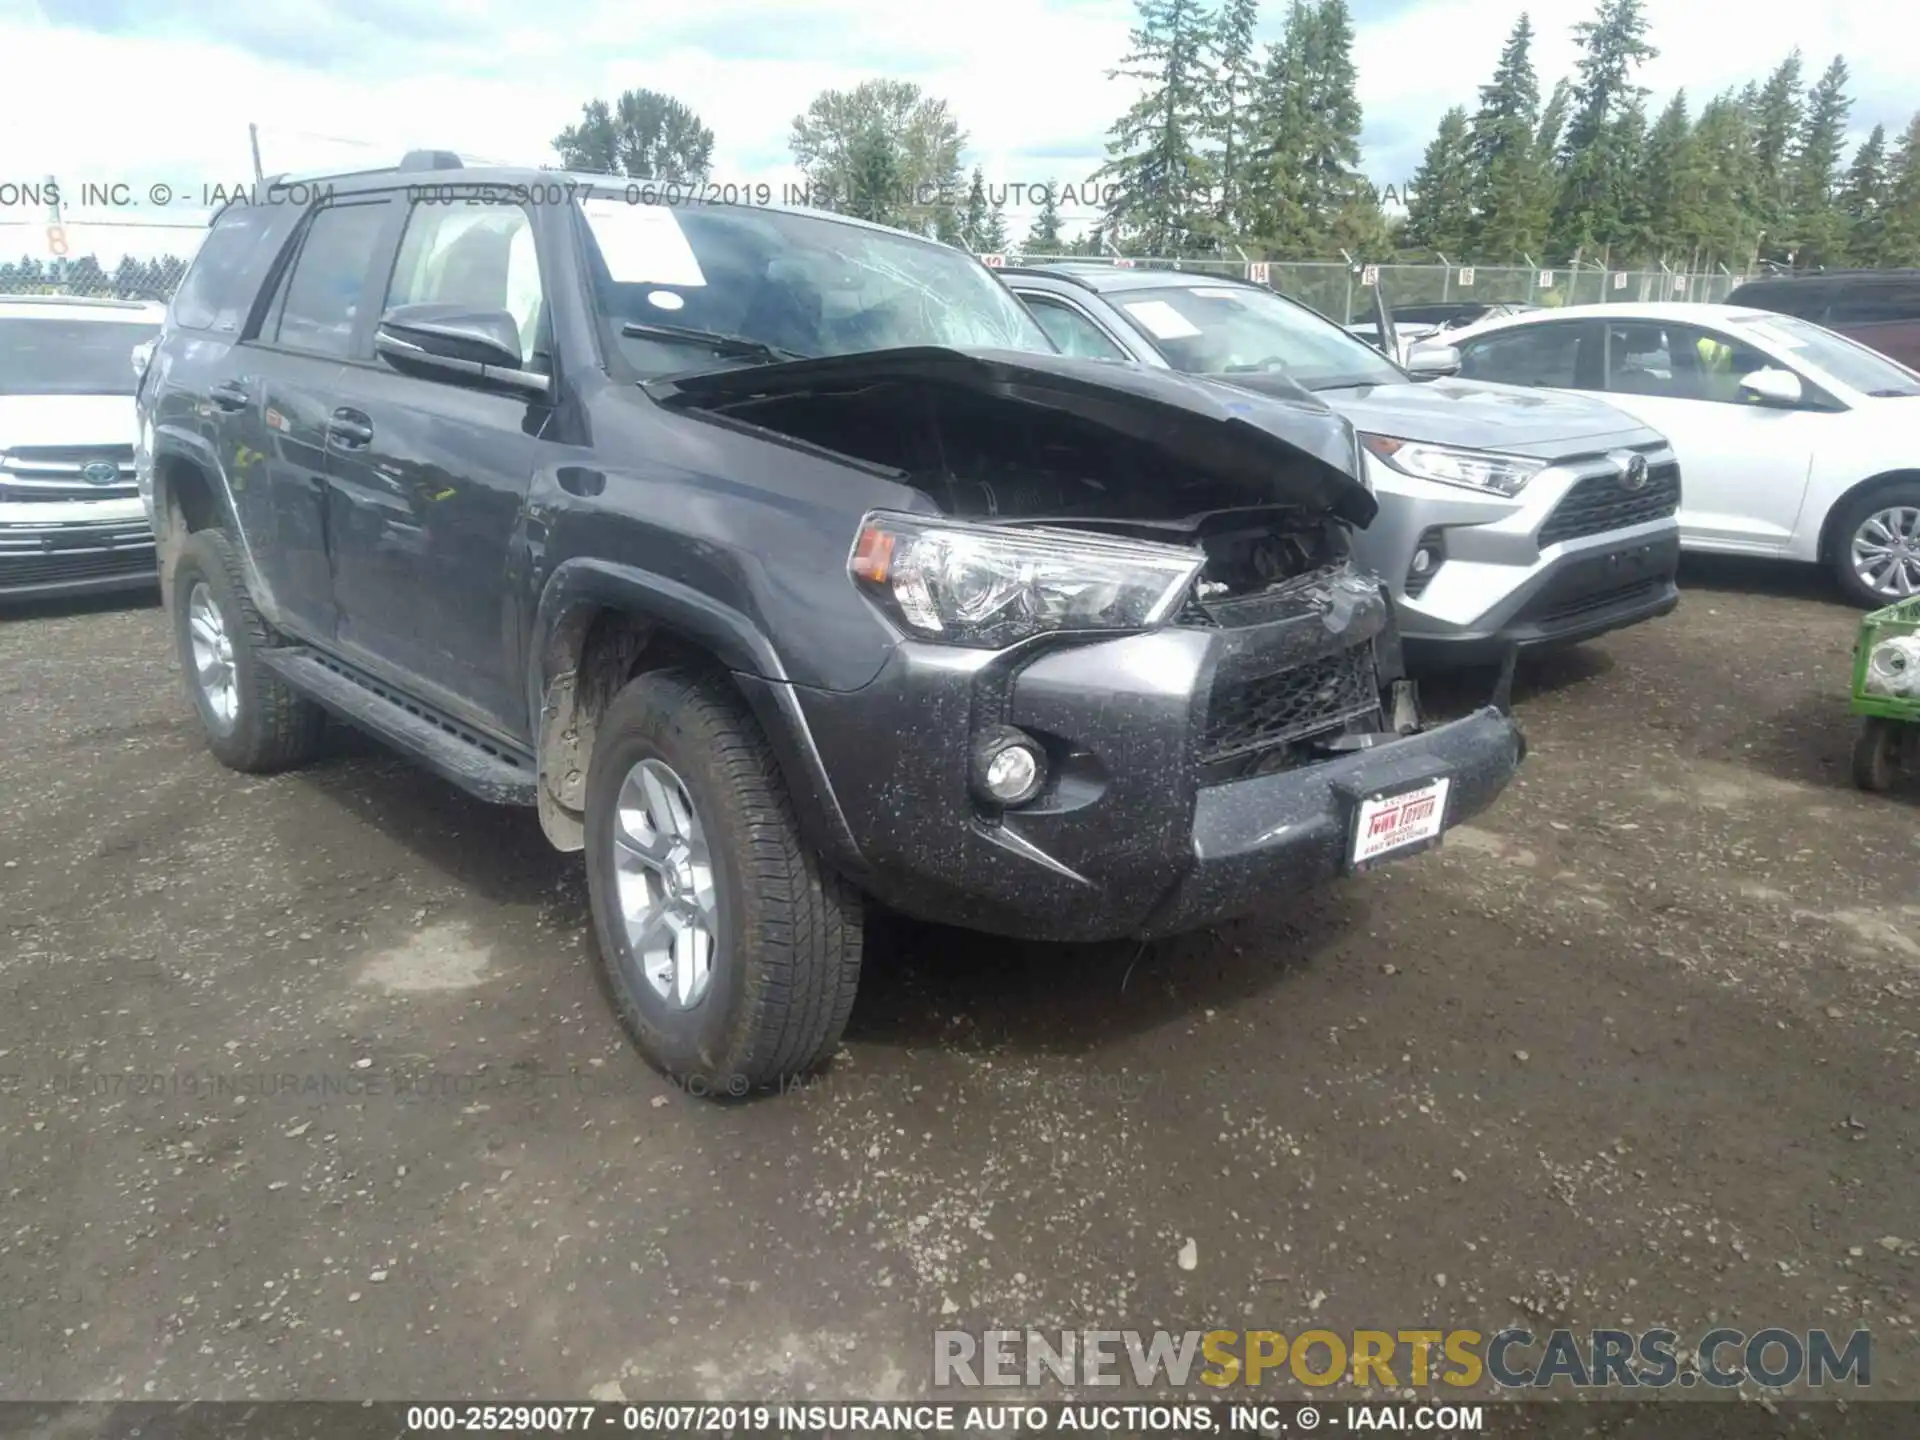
x,y
1512,1359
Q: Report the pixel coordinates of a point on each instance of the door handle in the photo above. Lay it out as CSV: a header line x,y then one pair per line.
x,y
230,395
349,430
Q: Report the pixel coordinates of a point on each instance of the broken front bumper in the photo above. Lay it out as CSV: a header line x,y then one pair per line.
x,y
1159,815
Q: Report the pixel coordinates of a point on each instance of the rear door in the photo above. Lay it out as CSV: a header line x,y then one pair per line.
x,y
291,369
430,476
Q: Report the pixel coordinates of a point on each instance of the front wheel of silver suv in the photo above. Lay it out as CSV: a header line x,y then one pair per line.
x,y
254,722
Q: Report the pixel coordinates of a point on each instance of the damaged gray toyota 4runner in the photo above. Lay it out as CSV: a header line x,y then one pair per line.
x,y
781,563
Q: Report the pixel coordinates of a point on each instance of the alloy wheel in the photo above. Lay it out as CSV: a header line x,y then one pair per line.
x,y
213,668
664,876
1886,551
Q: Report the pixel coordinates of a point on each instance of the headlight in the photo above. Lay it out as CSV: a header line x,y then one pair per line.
x,y
991,586
1485,470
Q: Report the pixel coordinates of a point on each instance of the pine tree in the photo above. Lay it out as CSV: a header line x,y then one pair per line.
x,y
1863,196
1505,172
1817,229
1440,210
1776,111
1900,239
1309,195
1724,157
1044,237
973,219
1235,73
1592,149
1162,179
1666,188
994,241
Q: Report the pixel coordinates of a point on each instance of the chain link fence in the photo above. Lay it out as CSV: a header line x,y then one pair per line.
x,y
113,261
1343,291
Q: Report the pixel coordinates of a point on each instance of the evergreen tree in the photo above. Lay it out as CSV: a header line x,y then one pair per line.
x,y
1235,73
1723,148
1593,149
1440,210
1816,226
1162,178
995,240
1863,196
1900,236
1309,196
1044,237
873,176
1666,189
973,219
1505,170
1776,112
834,144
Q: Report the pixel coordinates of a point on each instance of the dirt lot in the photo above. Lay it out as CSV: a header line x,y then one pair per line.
x,y
1639,1048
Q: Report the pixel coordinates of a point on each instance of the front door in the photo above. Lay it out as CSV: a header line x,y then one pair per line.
x,y
1743,465
429,479
279,398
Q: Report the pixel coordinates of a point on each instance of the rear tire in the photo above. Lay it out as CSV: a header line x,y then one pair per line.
x,y
1894,506
1874,754
731,954
253,720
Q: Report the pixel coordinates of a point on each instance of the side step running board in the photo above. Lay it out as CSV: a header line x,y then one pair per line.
x,y
475,763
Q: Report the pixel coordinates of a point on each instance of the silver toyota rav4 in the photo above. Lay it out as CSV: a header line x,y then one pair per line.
x,y
1509,517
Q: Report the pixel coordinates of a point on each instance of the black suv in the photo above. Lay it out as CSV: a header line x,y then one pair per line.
x,y
780,561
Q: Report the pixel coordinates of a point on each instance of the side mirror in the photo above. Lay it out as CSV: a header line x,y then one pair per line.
x,y
455,342
1430,362
1773,386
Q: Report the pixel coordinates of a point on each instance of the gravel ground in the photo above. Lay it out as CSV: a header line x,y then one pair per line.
x,y
310,1091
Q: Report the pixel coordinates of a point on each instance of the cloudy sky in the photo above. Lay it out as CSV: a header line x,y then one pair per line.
x,y
161,91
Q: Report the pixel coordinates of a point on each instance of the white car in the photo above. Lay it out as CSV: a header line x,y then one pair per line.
x,y
1794,441
71,519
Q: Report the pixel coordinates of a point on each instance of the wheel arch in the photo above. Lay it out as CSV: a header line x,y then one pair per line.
x,y
596,627
1829,524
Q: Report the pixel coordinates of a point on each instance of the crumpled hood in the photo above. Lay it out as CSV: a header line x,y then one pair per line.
x,y
1233,434
1474,413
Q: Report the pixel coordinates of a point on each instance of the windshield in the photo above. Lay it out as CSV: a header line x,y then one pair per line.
x,y
1237,330
69,357
1865,370
795,285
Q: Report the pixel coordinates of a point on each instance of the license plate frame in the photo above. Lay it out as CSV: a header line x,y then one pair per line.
x,y
1392,822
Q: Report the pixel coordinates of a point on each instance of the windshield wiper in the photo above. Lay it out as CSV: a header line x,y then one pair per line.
x,y
737,346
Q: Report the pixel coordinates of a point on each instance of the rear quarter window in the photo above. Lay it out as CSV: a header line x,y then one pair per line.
x,y
1878,301
1807,299
220,285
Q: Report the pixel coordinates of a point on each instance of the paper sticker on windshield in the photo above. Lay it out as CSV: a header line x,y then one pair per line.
x,y
642,244
1217,292
1163,322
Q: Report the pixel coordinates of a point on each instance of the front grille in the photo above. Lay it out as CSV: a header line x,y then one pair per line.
x,y
1259,713
56,472
46,567
1601,503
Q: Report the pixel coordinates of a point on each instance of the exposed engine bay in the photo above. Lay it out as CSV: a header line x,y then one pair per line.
x,y
980,456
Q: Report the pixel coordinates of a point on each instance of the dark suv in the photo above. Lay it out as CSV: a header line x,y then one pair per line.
x,y
780,561
1879,308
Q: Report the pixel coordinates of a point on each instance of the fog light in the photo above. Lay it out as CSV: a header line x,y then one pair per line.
x,y
1427,558
1422,561
1009,767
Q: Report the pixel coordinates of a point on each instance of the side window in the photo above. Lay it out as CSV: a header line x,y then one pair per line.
x,y
1526,355
1876,301
320,300
1678,361
219,286
479,256
1072,331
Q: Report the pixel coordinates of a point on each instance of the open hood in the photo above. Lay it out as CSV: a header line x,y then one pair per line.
x,y
1280,447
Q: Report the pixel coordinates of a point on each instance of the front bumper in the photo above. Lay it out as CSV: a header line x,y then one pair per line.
x,y
1137,834
1516,572
75,548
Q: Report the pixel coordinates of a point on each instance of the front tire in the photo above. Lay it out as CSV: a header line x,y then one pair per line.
x,y
730,952
253,720
1876,547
